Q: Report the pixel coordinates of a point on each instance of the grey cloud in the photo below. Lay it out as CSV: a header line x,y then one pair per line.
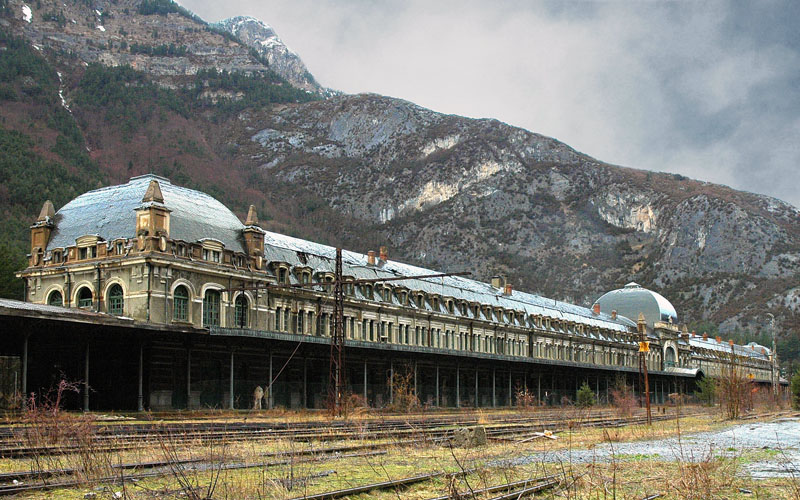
x,y
707,89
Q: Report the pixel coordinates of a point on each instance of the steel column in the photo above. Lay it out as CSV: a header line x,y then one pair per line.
x,y
458,387
86,379
230,388
140,394
188,378
270,397
305,383
437,384
494,388
477,393
25,368
366,400
509,388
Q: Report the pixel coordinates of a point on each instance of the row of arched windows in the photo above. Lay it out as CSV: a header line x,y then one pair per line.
x,y
85,299
212,304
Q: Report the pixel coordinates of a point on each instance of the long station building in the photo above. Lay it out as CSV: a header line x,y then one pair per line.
x,y
155,296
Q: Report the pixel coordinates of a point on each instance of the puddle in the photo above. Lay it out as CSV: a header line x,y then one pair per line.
x,y
780,441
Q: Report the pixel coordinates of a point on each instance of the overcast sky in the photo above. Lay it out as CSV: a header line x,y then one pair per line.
x,y
707,89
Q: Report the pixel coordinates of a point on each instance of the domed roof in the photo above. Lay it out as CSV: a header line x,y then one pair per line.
x,y
632,300
109,213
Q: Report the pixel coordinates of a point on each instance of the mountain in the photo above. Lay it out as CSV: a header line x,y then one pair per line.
x,y
159,90
262,38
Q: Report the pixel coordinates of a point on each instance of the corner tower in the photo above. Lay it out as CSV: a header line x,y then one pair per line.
x,y
152,219
40,233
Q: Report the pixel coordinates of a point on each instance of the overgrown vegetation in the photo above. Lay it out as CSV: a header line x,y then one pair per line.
x,y
585,396
795,388
706,391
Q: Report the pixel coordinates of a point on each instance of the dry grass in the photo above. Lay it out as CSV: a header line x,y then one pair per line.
x,y
622,477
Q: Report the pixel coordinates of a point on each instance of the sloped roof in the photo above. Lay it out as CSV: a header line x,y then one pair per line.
x,y
298,252
109,213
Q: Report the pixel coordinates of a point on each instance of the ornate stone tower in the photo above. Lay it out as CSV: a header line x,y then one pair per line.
x,y
40,233
254,238
152,220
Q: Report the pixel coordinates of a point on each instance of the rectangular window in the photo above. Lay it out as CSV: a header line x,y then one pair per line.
x,y
300,326
119,248
82,253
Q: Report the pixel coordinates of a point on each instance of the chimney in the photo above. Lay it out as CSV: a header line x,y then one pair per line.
x,y
730,341
752,347
371,258
705,336
384,254
596,309
498,281
509,289
252,217
613,314
254,237
719,339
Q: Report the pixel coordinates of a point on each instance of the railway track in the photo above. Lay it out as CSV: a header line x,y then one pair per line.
x,y
64,478
112,438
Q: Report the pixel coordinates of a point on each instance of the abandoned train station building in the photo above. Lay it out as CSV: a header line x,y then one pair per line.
x,y
157,297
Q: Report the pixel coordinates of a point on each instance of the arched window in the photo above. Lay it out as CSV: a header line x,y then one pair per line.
x,y
240,311
85,298
669,357
180,305
211,307
116,303
55,299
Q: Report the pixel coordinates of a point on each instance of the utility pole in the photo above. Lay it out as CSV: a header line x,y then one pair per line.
x,y
644,348
336,384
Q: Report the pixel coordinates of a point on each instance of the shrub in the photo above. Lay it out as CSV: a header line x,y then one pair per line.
x,y
585,396
706,391
623,398
796,390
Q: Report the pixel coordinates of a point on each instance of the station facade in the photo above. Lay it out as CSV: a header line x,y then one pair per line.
x,y
165,287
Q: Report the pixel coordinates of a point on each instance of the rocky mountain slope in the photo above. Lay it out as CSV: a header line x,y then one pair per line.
x,y
365,170
261,37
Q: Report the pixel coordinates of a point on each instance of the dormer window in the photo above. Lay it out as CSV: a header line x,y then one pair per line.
x,y
119,247
57,256
450,307
212,255
87,253
368,291
283,276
